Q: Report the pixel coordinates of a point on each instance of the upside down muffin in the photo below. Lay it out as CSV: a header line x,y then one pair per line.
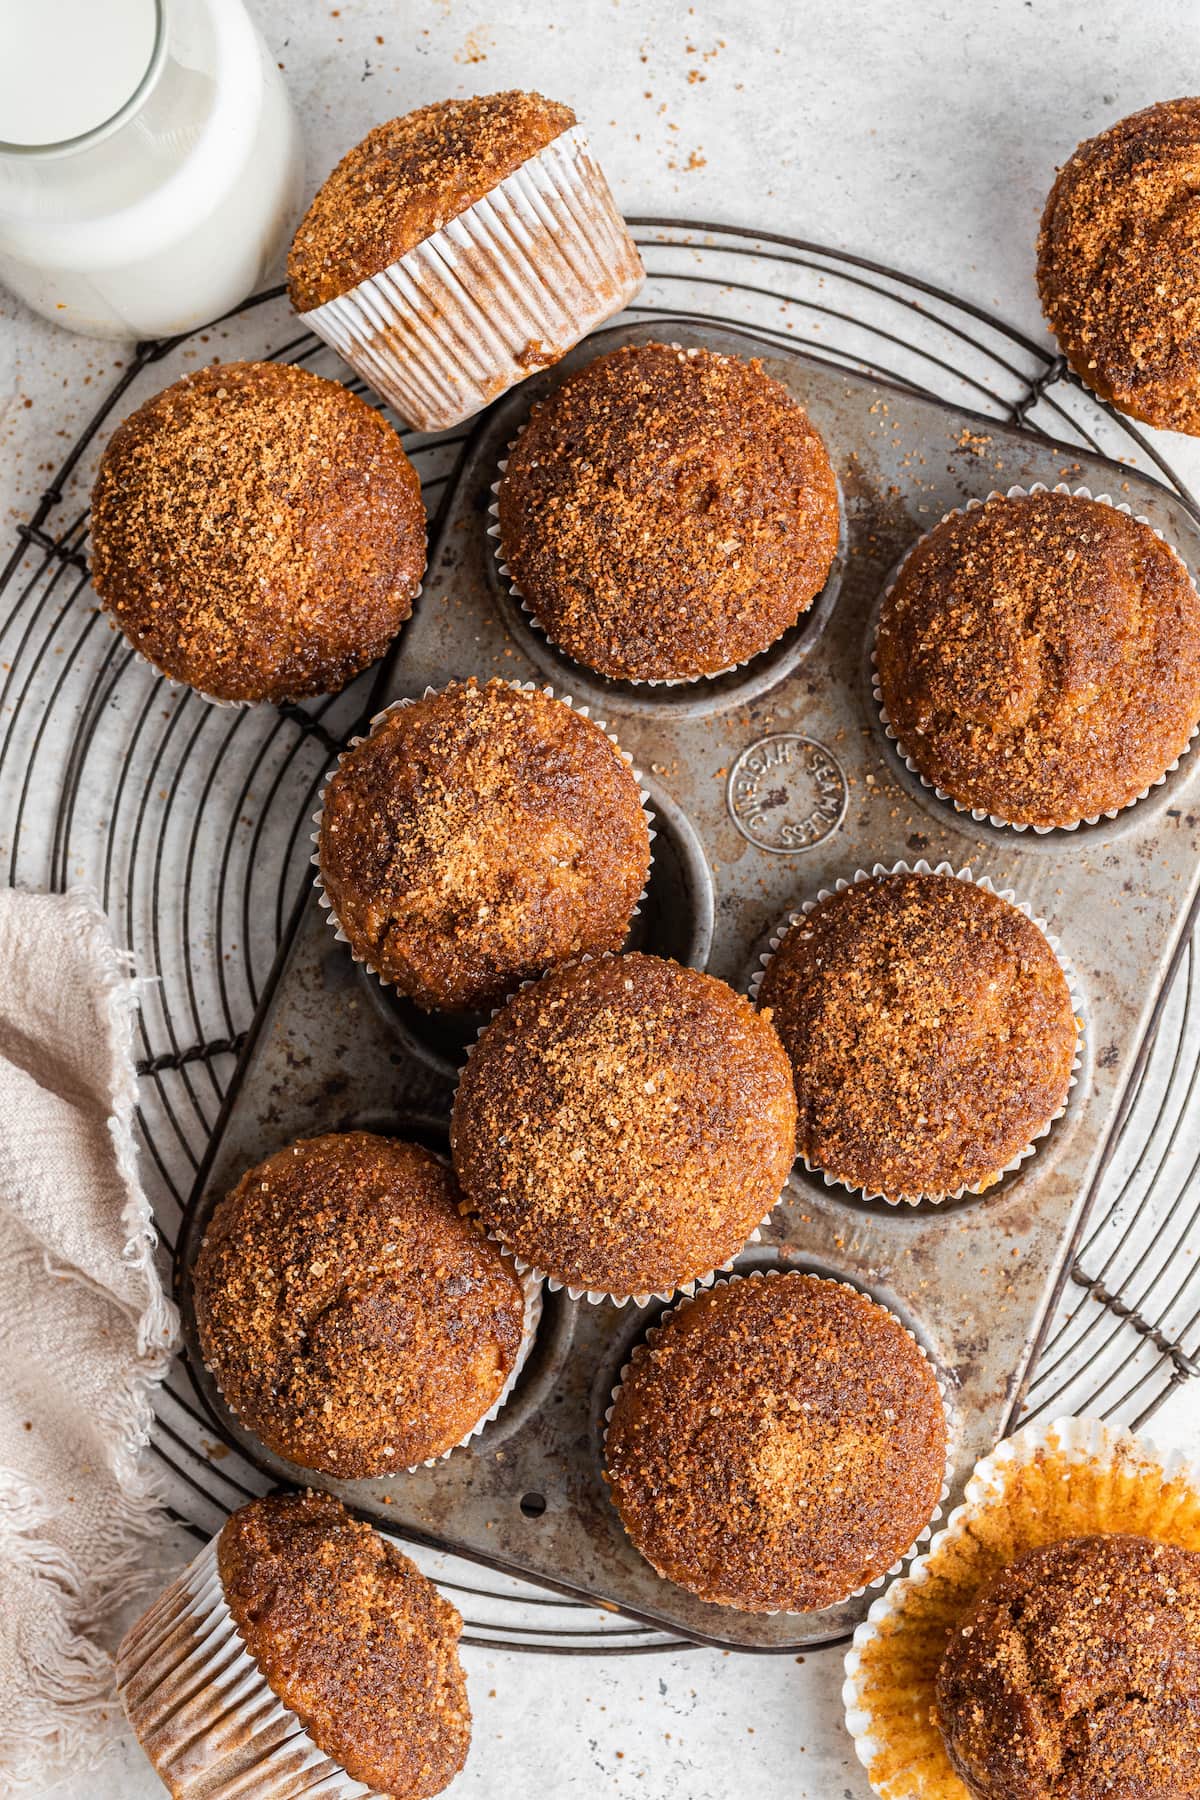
x,y
1119,263
930,1029
480,836
347,1641
624,1125
777,1445
1076,1676
1039,658
667,513
349,1313
257,532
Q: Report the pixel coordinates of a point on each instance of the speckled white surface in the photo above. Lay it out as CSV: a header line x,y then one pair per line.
x,y
924,134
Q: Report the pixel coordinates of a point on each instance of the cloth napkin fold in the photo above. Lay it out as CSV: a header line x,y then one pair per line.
x,y
86,1332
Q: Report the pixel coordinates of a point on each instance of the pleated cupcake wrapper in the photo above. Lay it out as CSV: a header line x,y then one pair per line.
x,y
642,1349
205,1714
506,575
598,1296
523,687
980,814
1081,1476
943,868
505,288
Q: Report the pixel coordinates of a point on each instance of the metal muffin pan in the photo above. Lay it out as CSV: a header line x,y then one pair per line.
x,y
770,783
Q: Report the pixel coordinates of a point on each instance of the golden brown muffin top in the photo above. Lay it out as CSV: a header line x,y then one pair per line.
x,y
1039,658
349,1314
352,1637
407,179
257,532
478,837
668,513
930,1029
1076,1676
1119,263
625,1124
779,1444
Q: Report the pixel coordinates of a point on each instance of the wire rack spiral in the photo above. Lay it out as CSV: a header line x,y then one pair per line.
x,y
191,822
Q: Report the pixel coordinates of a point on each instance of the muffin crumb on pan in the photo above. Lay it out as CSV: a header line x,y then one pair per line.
x,y
777,1444
257,532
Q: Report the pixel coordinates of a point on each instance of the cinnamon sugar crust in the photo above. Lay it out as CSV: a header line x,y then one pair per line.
x,y
1119,263
1076,1676
407,179
930,1029
257,532
349,1313
478,837
625,1124
667,513
779,1444
353,1638
1039,658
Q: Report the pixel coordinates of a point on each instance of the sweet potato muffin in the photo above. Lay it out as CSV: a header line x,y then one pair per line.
x,y
350,1315
1039,658
624,1125
779,1443
257,532
667,513
406,180
1119,264
930,1029
1076,1676
478,837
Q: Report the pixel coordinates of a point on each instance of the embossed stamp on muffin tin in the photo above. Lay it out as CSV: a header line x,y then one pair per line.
x,y
786,793
973,1278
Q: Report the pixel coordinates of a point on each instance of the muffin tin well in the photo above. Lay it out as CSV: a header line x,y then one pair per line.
x,y
773,785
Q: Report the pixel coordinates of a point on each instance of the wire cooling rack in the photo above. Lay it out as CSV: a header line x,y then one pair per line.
x,y
192,824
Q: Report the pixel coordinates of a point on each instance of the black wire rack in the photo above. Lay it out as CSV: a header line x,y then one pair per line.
x,y
191,822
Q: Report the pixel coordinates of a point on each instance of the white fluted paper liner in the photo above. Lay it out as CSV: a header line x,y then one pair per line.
x,y
506,288
1124,1484
980,814
204,1713
646,1344
652,681
943,868
598,1296
527,687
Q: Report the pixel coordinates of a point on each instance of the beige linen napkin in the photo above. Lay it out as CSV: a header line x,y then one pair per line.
x,y
86,1332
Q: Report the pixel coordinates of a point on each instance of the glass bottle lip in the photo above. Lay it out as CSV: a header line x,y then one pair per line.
x,y
96,133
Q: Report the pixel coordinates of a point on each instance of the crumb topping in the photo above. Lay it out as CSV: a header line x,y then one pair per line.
x,y
1076,1676
350,1315
1119,263
668,513
779,1444
625,1124
478,837
257,532
1039,658
930,1029
353,1638
407,179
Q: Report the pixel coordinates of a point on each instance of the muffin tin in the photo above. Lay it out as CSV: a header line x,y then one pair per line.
x,y
769,783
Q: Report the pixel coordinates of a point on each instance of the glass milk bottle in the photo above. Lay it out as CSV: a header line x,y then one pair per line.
x,y
150,166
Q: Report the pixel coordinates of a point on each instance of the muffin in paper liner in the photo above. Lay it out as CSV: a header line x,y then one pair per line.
x,y
979,814
646,1344
531,1287
430,692
598,1296
1072,1478
503,289
943,868
204,1714
651,681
